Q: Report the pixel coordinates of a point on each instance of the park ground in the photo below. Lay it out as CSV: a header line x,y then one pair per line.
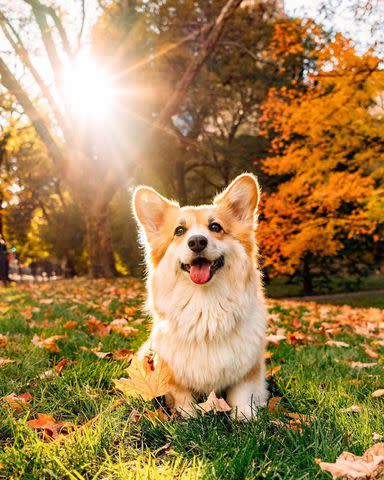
x,y
61,347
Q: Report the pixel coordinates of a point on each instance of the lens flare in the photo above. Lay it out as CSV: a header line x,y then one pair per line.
x,y
88,90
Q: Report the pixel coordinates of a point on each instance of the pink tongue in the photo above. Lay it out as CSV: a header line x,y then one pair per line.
x,y
200,273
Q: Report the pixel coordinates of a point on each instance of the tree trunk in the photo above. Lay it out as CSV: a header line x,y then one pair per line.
x,y
100,252
181,187
307,276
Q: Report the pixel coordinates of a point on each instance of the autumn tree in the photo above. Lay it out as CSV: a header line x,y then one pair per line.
x,y
327,159
86,156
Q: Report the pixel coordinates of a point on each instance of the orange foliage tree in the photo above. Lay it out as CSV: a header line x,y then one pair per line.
x,y
327,159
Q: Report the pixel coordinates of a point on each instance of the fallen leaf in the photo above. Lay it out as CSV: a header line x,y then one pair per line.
x,y
294,338
352,409
124,354
3,341
49,427
48,343
130,311
349,466
135,415
18,402
6,361
144,380
272,371
361,365
371,353
268,355
97,327
214,403
275,339
119,322
378,393
158,414
103,354
124,331
274,404
377,436
70,325
60,365
335,343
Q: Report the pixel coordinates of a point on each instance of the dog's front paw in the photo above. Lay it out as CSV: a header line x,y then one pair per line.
x,y
244,413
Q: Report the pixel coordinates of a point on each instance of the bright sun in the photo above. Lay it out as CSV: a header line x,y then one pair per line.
x,y
88,90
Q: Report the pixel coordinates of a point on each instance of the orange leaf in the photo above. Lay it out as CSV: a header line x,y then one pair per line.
x,y
59,366
48,425
272,371
18,402
3,341
70,325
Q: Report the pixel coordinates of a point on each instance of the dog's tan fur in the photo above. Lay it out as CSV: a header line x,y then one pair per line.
x,y
211,335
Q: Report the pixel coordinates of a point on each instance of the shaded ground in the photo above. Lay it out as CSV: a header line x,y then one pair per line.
x,y
116,438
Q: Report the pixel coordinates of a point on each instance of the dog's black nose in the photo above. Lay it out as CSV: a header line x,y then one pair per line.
x,y
197,243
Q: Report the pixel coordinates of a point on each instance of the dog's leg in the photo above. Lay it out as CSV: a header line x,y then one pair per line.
x,y
249,394
181,399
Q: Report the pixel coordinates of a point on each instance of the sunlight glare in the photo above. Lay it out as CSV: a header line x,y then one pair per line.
x,y
88,90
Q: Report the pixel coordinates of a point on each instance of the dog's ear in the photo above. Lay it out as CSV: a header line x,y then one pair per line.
x,y
151,210
241,197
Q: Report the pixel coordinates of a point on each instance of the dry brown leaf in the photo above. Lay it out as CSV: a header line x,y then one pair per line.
x,y
335,343
351,409
124,354
378,393
158,414
147,379
49,427
48,343
294,338
3,341
371,353
6,361
103,354
97,327
124,331
130,311
18,402
214,403
361,365
275,339
272,371
274,404
268,355
348,466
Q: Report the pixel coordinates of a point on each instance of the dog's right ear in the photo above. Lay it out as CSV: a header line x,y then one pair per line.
x,y
151,210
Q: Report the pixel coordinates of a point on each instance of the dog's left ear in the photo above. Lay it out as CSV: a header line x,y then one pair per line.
x,y
241,197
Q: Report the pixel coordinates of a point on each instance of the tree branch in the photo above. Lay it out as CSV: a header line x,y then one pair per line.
x,y
22,53
13,86
208,47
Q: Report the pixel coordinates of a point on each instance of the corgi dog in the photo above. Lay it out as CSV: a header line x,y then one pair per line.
x,y
205,295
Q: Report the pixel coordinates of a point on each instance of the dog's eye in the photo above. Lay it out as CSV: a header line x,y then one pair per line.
x,y
180,230
215,227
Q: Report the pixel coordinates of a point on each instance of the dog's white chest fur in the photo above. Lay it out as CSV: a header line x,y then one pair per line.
x,y
210,336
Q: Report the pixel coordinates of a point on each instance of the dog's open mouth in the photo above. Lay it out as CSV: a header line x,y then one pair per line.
x,y
201,270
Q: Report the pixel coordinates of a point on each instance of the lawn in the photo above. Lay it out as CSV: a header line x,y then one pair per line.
x,y
106,436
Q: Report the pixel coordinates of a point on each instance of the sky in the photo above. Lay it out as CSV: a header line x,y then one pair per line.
x,y
344,20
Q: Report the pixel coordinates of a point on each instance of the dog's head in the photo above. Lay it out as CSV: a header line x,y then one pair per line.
x,y
201,242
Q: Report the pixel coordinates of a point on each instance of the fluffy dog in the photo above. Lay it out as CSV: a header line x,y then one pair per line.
x,y
205,295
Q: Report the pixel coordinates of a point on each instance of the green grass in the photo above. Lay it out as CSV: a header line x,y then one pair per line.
x,y
314,379
371,301
280,288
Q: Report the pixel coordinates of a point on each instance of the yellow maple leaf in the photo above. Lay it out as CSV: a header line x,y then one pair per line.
x,y
148,379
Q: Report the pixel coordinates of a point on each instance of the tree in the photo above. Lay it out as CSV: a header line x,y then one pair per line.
x,y
89,165
328,151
